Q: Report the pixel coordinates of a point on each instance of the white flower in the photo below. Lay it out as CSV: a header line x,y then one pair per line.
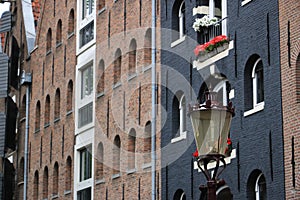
x,y
205,21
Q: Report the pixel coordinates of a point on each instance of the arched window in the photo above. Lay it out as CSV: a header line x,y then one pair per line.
x,y
55,178
59,33
71,22
100,159
256,186
131,149
117,66
70,96
21,170
179,115
47,111
68,174
57,105
45,183
253,85
37,116
116,155
132,58
147,143
218,83
147,48
36,185
100,87
179,195
49,41
178,20
298,79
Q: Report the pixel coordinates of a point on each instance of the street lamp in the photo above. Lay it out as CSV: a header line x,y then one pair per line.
x,y
211,124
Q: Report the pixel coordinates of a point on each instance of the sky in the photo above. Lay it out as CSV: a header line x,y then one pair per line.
x,y
4,7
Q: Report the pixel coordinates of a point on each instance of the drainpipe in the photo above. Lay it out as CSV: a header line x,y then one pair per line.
x,y
26,80
153,124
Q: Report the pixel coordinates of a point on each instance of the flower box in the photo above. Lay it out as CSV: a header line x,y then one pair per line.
x,y
211,48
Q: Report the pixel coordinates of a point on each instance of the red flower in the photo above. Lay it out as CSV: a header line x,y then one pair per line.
x,y
196,154
229,141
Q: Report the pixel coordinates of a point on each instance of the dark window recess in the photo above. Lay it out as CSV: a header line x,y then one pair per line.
x,y
84,194
85,164
85,115
87,34
10,134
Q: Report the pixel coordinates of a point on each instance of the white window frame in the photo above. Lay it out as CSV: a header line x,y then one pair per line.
x,y
254,83
84,9
90,85
82,22
181,29
181,16
257,187
83,140
256,106
84,60
222,86
182,120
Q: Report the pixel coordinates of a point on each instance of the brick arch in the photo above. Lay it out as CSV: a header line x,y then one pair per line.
x,y
55,179
295,53
57,104
68,174
59,32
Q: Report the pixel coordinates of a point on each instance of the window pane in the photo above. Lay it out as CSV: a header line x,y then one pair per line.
x,y
260,82
85,164
86,82
87,7
84,194
87,34
85,115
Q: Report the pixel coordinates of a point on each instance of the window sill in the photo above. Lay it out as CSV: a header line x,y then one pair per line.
x,y
131,171
20,183
23,119
48,52
179,138
212,60
66,192
54,196
71,35
59,44
37,131
131,76
69,112
256,109
146,68
100,94
176,42
101,10
146,166
212,165
115,176
118,84
245,2
99,181
56,120
46,125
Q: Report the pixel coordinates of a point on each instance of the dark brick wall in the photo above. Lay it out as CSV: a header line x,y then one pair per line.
x,y
247,26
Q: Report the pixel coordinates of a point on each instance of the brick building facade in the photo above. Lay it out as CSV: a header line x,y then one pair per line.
x,y
90,102
290,79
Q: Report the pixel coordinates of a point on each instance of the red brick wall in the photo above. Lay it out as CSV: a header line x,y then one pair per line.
x,y
59,69
289,11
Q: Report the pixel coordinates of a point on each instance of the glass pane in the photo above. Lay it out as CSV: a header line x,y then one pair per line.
x,y
87,82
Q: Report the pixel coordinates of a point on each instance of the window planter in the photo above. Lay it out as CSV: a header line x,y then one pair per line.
x,y
206,55
211,48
